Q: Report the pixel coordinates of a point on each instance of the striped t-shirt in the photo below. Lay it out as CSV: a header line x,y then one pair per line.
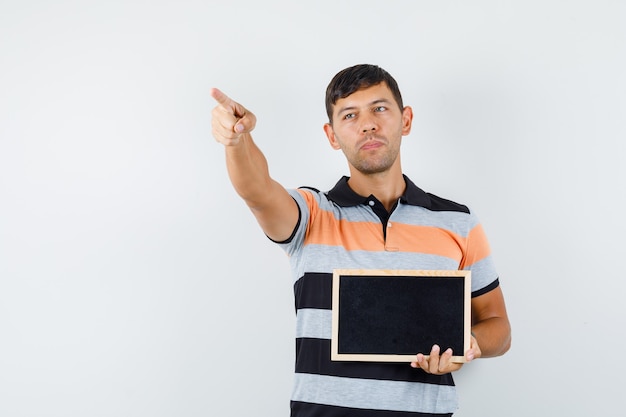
x,y
342,230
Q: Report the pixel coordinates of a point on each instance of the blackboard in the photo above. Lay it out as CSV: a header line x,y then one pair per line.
x,y
391,315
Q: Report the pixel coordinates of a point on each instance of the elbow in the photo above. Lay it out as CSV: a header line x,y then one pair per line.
x,y
499,342
506,342
506,346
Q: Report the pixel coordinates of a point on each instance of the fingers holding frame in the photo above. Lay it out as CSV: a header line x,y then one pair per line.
x,y
436,363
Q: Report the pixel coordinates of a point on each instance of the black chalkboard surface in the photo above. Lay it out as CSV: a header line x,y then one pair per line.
x,y
391,315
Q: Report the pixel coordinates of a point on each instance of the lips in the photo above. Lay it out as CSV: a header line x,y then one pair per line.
x,y
373,142
371,145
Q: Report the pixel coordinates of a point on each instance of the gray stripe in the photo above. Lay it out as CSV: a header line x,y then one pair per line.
x,y
483,273
375,395
322,258
456,222
314,323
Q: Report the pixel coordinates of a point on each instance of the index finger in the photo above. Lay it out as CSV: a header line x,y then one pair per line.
x,y
227,103
221,98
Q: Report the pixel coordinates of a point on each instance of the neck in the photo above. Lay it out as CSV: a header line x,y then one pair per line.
x,y
386,186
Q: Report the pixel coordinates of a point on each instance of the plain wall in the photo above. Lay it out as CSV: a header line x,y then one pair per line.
x,y
133,280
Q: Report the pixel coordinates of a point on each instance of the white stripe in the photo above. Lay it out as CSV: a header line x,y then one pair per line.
x,y
324,258
314,323
484,269
457,222
375,395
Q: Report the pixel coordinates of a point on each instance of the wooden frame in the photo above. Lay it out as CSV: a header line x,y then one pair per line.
x,y
383,315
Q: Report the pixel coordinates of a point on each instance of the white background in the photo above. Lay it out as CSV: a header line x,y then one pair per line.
x,y
134,282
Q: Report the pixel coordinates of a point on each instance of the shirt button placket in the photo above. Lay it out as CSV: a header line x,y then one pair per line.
x,y
389,240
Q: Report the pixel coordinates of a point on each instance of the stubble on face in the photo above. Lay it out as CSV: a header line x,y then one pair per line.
x,y
373,154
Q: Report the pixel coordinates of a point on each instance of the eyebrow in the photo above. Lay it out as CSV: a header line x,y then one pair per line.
x,y
372,103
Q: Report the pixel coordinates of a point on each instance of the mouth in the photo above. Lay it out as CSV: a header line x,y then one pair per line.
x,y
371,145
373,142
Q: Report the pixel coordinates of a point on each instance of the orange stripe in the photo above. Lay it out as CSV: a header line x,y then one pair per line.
x,y
425,239
479,247
351,235
368,236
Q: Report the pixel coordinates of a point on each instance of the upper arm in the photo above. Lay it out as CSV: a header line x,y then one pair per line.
x,y
490,323
489,305
278,214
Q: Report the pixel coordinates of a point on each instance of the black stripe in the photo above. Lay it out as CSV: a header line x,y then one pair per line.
x,y
306,187
486,289
314,290
302,409
313,357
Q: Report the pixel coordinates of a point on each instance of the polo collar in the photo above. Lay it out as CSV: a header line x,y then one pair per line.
x,y
342,195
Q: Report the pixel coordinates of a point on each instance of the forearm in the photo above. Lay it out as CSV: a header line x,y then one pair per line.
x,y
248,171
272,205
493,336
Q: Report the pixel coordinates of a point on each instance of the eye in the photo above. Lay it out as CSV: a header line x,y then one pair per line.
x,y
380,108
349,116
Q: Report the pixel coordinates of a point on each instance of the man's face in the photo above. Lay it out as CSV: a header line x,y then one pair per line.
x,y
368,126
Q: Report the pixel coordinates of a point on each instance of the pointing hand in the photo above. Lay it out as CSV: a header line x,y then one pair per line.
x,y
230,119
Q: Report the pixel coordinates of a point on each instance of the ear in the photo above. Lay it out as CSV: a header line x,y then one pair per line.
x,y
407,120
330,134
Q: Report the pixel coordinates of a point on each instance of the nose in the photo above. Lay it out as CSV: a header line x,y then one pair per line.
x,y
368,124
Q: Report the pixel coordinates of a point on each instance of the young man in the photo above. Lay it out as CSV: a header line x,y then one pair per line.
x,y
374,219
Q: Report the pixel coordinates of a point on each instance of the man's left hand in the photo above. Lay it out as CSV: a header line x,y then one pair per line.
x,y
441,363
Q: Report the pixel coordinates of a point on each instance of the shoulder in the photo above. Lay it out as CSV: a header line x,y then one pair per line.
x,y
310,195
442,204
309,199
415,196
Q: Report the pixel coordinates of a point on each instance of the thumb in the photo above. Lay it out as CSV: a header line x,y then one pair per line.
x,y
246,123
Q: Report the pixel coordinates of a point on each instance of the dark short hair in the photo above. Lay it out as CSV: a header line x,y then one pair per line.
x,y
355,78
